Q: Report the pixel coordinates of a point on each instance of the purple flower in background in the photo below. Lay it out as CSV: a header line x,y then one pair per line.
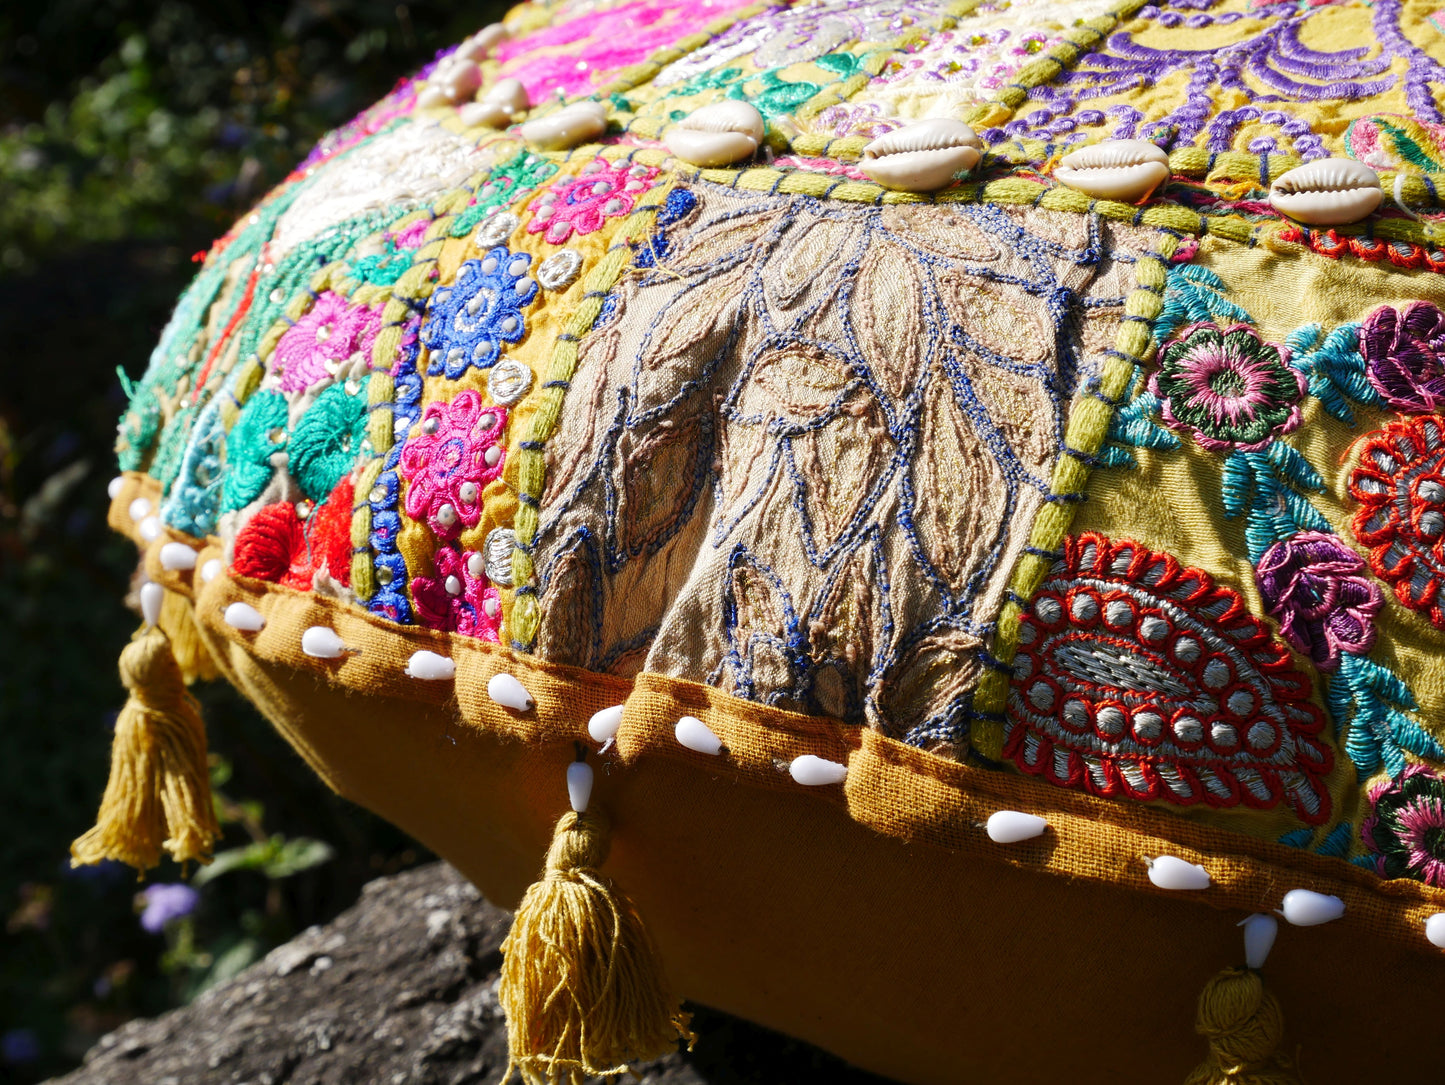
x,y
167,902
1320,592
1404,352
19,1046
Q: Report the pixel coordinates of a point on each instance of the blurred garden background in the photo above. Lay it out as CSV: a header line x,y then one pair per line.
x,y
132,132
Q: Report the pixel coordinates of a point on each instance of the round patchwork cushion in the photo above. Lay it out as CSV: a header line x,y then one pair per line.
x,y
907,523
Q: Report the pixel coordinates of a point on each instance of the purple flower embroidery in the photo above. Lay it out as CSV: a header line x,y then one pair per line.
x,y
1406,832
166,902
458,598
313,347
1404,352
448,458
1320,592
1234,390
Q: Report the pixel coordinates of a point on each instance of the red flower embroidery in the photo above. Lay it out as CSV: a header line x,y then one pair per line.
x,y
279,546
1139,678
1400,485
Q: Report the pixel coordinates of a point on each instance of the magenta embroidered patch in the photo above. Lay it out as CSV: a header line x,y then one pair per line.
x,y
1137,677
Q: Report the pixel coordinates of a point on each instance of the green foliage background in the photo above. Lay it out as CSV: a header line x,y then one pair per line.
x,y
132,132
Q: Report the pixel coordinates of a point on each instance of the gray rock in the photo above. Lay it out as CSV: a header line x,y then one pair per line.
x,y
400,990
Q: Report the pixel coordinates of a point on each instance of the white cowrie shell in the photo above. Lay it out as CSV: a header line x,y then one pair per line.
x,y
320,642
151,597
811,771
211,570
577,123
509,94
176,556
243,616
1171,872
430,667
603,725
112,489
1306,908
1011,826
1259,932
509,693
1327,192
139,509
480,45
1435,929
923,157
716,135
579,785
697,736
485,114
1120,169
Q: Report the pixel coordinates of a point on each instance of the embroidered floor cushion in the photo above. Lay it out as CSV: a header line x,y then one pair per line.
x,y
907,522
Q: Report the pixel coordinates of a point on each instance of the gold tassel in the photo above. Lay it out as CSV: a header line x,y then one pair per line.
x,y
159,792
581,984
178,621
1243,1024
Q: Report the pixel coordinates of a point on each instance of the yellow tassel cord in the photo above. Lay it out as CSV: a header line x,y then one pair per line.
x,y
1243,1024
178,621
159,792
581,984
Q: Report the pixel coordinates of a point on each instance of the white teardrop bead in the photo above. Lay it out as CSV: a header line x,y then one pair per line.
x,y
579,785
509,693
1259,932
697,736
211,570
113,489
177,555
140,508
1306,908
813,771
322,643
150,529
603,725
1170,872
244,616
1011,826
430,667
151,597
1435,929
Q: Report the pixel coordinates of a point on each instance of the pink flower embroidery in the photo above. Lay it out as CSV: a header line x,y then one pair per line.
x,y
458,599
321,340
448,459
581,204
1228,386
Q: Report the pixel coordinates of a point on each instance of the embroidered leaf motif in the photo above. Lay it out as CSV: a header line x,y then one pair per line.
x,y
1135,425
1263,483
1371,701
957,488
762,630
1138,677
1334,367
1194,295
887,315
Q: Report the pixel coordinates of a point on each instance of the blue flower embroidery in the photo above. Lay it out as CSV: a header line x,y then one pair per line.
x,y
468,322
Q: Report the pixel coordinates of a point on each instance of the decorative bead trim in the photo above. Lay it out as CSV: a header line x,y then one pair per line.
x,y
1091,839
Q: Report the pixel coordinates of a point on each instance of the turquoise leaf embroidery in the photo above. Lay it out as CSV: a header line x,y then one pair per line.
x,y
1374,701
1193,294
1334,367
